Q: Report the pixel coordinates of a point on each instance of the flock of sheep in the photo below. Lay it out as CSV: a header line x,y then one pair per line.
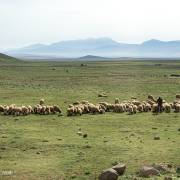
x,y
26,110
85,107
132,107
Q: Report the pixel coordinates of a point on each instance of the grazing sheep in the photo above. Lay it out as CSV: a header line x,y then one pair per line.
x,y
1,108
43,110
167,107
42,101
48,109
119,108
102,95
151,102
79,111
94,109
101,106
155,108
25,110
135,102
84,102
130,109
177,108
150,97
17,111
177,96
147,107
70,111
86,109
117,101
57,109
6,110
75,110
140,108
30,109
110,107
102,111
134,109
76,103
105,104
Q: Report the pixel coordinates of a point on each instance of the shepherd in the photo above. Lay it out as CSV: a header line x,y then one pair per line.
x,y
159,102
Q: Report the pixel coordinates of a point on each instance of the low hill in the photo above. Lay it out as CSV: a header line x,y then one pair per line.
x,y
91,57
7,59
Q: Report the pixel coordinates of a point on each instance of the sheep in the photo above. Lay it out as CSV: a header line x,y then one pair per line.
x,y
17,111
135,102
110,107
30,109
167,107
42,101
84,102
79,111
48,109
76,103
149,101
94,109
150,97
57,109
140,108
130,110
117,101
43,110
177,108
134,109
147,107
154,108
119,108
102,111
86,109
177,96
37,109
101,106
25,110
11,109
1,108
70,111
6,110
75,110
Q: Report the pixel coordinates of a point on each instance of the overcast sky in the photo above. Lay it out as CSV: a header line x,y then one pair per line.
x,y
24,22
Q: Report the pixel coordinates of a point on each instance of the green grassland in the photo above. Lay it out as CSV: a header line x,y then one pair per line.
x,y
48,147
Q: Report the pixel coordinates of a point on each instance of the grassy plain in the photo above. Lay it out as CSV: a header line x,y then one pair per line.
x,y
47,147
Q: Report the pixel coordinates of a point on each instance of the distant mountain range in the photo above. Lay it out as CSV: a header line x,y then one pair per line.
x,y
103,47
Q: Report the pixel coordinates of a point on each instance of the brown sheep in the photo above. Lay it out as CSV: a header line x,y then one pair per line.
x,y
1,108
177,96
76,103
57,109
150,97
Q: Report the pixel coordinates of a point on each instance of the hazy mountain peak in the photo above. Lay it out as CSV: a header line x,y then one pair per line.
x,y
152,41
103,47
